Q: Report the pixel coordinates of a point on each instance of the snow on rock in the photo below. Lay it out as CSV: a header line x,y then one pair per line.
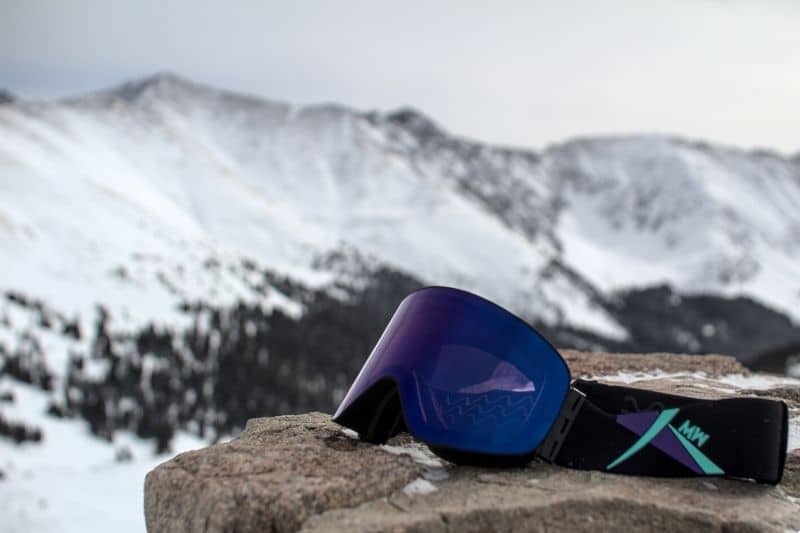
x,y
419,487
723,382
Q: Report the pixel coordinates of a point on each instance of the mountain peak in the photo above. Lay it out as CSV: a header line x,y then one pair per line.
x,y
415,121
158,83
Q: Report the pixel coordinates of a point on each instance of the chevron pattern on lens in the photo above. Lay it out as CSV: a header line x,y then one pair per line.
x,y
488,409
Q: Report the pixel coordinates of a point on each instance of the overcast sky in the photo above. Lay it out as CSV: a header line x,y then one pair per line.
x,y
523,73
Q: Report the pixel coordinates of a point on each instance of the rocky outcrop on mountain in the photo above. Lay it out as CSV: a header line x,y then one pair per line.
x,y
304,472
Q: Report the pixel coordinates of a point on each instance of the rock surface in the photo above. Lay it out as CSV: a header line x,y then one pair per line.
x,y
304,472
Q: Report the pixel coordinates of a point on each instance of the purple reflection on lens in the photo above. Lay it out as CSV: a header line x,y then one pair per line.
x,y
469,386
463,368
505,377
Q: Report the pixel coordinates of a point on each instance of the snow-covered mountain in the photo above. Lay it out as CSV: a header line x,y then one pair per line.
x,y
176,258
103,194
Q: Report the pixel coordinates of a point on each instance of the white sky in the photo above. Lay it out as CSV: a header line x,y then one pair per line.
x,y
524,73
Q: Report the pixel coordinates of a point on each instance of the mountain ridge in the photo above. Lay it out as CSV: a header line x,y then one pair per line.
x,y
134,86
526,191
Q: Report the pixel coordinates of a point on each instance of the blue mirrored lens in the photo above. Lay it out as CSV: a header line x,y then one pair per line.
x,y
471,375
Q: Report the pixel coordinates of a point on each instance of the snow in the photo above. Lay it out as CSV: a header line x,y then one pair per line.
x,y
350,434
420,454
794,433
735,381
433,468
71,481
98,186
710,486
175,174
706,220
419,486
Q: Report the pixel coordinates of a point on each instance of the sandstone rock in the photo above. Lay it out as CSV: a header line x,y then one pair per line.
x,y
272,477
542,497
588,364
304,472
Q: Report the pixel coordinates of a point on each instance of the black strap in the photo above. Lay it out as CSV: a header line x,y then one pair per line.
x,y
635,431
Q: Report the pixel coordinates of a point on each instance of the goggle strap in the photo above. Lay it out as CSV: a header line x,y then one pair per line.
x,y
635,431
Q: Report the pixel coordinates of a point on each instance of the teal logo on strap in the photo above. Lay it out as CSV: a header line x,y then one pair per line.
x,y
682,444
693,433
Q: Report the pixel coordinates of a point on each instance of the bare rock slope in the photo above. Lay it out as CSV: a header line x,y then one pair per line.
x,y
304,472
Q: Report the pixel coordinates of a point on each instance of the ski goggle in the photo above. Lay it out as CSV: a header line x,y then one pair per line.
x,y
480,386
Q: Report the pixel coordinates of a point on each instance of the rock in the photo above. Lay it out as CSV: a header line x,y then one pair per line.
x,y
304,472
588,364
275,475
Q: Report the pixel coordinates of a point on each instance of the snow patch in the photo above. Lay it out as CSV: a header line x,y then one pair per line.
x,y
72,481
738,381
349,433
421,455
794,433
433,468
419,487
